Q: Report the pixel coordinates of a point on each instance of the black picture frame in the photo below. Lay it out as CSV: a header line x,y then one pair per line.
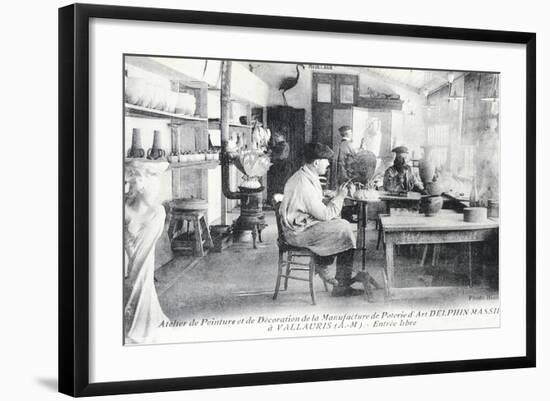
x,y
74,198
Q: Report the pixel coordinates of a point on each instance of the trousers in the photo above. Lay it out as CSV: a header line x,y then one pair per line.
x,y
344,266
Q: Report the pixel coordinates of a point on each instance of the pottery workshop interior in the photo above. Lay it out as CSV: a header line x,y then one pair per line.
x,y
412,172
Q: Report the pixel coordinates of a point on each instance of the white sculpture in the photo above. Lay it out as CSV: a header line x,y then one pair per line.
x,y
144,220
373,136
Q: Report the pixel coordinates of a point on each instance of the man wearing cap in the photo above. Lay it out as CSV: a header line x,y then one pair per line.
x,y
309,223
400,177
340,175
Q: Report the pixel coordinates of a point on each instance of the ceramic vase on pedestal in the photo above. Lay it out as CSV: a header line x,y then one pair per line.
x,y
426,165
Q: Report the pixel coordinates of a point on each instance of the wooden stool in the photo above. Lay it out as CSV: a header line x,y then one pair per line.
x,y
181,239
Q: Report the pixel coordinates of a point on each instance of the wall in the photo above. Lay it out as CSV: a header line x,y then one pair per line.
x,y
300,96
410,128
469,147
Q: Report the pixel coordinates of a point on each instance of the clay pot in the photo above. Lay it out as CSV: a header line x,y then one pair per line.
x,y
493,208
433,188
475,214
137,149
173,158
431,205
156,152
426,166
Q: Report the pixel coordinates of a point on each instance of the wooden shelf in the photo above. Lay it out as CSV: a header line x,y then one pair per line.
x,y
204,164
139,111
214,123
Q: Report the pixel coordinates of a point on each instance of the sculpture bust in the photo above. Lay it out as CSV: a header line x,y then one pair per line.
x,y
144,220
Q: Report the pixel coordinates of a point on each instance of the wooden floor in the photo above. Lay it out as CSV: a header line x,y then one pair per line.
x,y
241,279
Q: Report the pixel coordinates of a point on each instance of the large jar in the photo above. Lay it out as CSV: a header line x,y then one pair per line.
x,y
426,166
431,205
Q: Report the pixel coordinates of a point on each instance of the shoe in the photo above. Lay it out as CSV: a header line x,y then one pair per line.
x,y
345,291
323,274
365,279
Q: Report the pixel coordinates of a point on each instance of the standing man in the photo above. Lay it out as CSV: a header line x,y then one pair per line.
x,y
279,171
400,177
345,148
309,223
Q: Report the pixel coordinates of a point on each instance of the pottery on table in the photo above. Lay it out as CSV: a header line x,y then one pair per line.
x,y
430,205
492,208
366,194
433,188
475,214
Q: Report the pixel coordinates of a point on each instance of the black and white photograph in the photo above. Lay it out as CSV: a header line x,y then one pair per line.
x,y
283,199
275,201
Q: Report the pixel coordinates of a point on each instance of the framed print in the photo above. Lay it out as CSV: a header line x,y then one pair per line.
x,y
250,199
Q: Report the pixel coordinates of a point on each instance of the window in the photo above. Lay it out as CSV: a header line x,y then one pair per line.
x,y
346,94
323,93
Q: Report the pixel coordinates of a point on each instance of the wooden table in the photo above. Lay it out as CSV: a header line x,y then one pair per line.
x,y
445,227
412,199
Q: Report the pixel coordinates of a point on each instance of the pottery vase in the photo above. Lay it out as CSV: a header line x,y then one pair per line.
x,y
156,152
433,188
431,205
426,166
137,149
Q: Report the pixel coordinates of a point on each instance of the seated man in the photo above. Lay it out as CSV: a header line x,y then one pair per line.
x,y
400,177
309,223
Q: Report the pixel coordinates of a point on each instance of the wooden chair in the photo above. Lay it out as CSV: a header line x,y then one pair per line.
x,y
288,265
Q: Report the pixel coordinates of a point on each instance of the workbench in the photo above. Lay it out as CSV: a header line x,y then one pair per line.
x,y
447,226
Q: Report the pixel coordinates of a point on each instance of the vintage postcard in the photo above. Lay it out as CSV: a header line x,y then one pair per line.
x,y
269,199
